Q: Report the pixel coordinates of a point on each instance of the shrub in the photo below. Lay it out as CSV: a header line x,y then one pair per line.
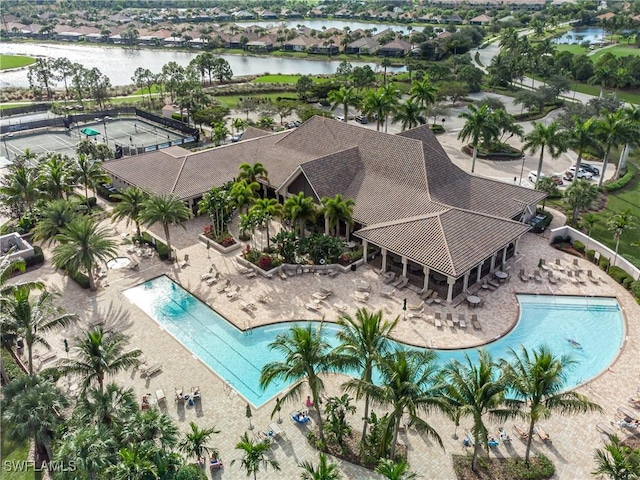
x,y
265,262
591,255
81,279
37,259
179,117
626,283
11,368
160,247
539,467
603,263
622,181
226,239
619,275
579,246
557,239
635,289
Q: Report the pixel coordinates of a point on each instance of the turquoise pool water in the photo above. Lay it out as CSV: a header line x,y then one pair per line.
x,y
238,357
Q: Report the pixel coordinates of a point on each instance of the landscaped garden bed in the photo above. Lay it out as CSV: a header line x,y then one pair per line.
x,y
539,467
506,152
223,243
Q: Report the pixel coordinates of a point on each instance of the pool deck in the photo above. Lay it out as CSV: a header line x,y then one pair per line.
x,y
574,437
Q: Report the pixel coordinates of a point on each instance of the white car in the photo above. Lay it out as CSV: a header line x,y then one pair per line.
x,y
571,173
532,176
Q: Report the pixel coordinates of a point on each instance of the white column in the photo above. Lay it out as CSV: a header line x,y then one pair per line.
x,y
451,281
504,254
384,259
493,262
365,244
465,283
326,225
515,247
405,262
479,276
425,287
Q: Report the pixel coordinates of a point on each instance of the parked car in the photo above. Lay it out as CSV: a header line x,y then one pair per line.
x,y
537,223
340,118
362,119
236,138
532,176
582,173
110,188
595,171
557,179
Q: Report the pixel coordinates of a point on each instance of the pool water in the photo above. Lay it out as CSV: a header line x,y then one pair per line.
x,y
238,357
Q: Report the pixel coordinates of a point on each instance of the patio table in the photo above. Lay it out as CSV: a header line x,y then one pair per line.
x,y
473,300
500,275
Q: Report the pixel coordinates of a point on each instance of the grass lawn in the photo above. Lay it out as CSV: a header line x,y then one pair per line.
x,y
231,101
575,49
13,451
145,90
15,61
616,50
631,96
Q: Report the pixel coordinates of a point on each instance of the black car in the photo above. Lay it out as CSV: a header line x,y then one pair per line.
x,y
361,119
537,223
595,171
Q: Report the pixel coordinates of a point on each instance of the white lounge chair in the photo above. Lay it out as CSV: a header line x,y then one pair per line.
x,y
475,323
361,297
415,314
387,292
418,306
437,321
340,307
313,307
461,321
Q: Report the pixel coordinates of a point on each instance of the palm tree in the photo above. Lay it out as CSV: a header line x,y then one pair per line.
x,y
130,206
8,266
266,209
90,173
21,187
90,447
582,136
632,113
325,471
409,114
238,124
386,63
195,441
132,463
545,136
56,215
345,97
255,456
604,76
536,381
579,196
300,208
57,175
32,318
243,194
31,409
151,427
166,210
612,130
99,354
254,173
363,340
474,389
395,471
617,461
337,210
479,126
306,356
391,96
407,384
81,245
588,221
111,408
423,91
380,103
618,224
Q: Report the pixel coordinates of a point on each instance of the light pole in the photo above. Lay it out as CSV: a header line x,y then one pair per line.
x,y
104,124
443,120
522,169
4,141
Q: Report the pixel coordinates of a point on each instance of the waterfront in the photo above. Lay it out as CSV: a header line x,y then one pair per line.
x,y
119,63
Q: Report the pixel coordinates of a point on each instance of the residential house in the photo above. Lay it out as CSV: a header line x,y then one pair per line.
x,y
481,20
395,48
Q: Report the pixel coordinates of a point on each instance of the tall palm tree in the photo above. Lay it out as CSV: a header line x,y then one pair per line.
x,y
300,209
479,126
99,354
632,113
475,389
611,130
151,427
165,210
57,175
195,442
407,384
395,471
254,456
243,194
386,63
90,173
579,196
536,381
337,209
423,91
617,461
604,76
81,245
266,209
581,136
409,114
31,410
588,221
363,340
91,448
112,407
618,224
133,463
130,206
391,96
345,97
326,470
544,136
55,216
32,318
380,103
21,188
306,356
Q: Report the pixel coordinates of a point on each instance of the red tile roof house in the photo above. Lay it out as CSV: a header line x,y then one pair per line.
x,y
434,223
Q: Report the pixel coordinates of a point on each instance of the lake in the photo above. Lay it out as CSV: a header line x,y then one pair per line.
x,y
120,63
582,34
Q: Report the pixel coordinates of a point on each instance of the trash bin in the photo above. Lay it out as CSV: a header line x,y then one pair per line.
x,y
354,267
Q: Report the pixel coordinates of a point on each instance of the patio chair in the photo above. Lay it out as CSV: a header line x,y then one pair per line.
x,y
426,295
521,433
543,265
417,314
403,283
559,266
606,431
263,437
397,282
185,262
215,463
494,284
152,370
461,321
195,393
223,286
179,394
449,320
475,323
543,435
340,307
160,396
552,280
592,278
536,276
361,297
437,321
251,274
327,291
363,286
432,298
332,272
313,307
389,277
481,304
572,279
388,293
418,306
264,298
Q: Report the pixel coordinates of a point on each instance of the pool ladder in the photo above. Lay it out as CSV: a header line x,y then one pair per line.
x,y
248,329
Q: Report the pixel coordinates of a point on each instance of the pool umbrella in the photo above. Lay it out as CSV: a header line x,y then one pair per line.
x,y
90,132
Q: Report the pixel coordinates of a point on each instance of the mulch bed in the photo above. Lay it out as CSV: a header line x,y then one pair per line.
x,y
493,468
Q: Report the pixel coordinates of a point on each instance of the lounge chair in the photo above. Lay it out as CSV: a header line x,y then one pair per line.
x,y
543,264
389,277
592,278
552,280
419,306
572,279
332,272
494,284
301,418
327,291
437,321
233,293
185,262
432,298
282,275
536,276
223,286
195,393
388,292
160,396
340,307
543,435
313,307
475,323
363,286
521,433
606,431
206,276
179,394
251,274
247,307
426,295
461,321
152,370
361,297
403,283
320,295
264,298
415,314
559,266
449,320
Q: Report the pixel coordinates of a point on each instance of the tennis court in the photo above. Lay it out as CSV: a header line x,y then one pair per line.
x,y
134,135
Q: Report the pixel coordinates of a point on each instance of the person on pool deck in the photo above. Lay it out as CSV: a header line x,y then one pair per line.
x,y
309,402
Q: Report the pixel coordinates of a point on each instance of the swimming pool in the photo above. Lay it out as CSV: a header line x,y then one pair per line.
x,y
238,357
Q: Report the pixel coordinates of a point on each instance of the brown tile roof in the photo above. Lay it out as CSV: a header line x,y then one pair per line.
x,y
253,132
451,241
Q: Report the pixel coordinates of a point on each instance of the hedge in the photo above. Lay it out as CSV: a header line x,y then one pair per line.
x,y
591,255
622,181
579,246
619,275
603,263
161,248
37,259
635,289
